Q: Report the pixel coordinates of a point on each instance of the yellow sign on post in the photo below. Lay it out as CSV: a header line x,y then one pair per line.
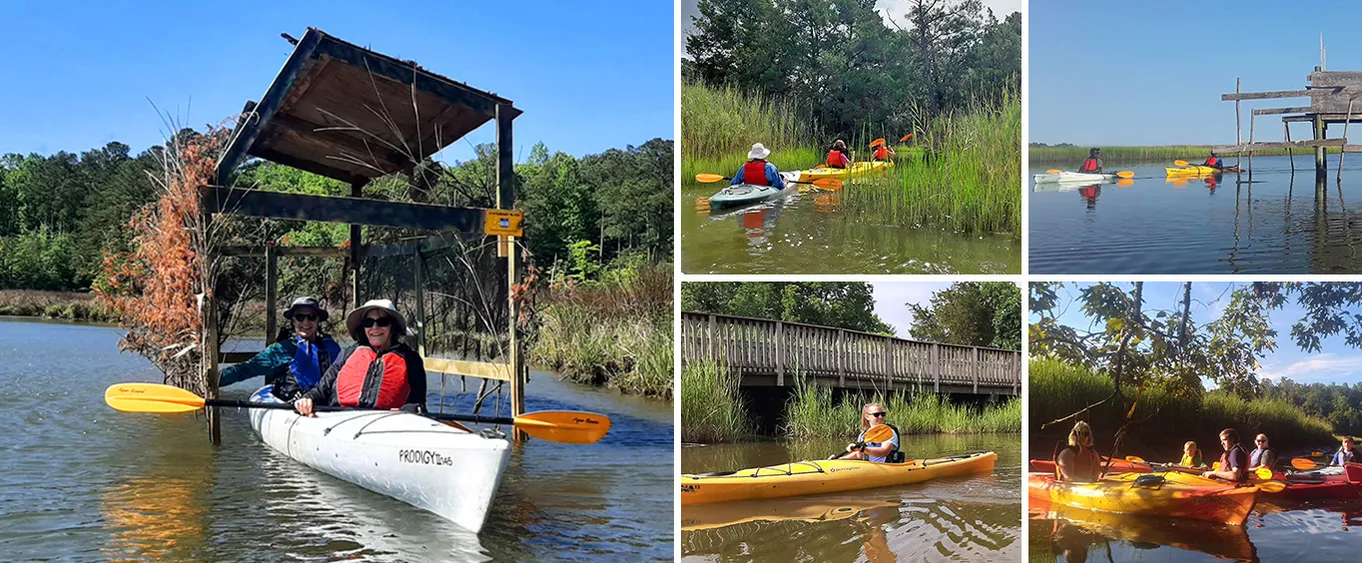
x,y
504,222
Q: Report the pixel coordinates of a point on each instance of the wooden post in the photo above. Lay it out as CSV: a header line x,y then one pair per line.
x,y
1252,120
1237,126
1344,149
356,190
780,354
1320,131
210,362
936,367
713,345
506,200
271,298
418,272
1291,158
974,365
841,357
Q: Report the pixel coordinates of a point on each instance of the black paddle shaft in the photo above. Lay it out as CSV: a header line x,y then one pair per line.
x,y
476,419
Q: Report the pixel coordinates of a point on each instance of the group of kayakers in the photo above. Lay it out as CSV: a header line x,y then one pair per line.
x,y
1079,461
308,368
1093,164
757,171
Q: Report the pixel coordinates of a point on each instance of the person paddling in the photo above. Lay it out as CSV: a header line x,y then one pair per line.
x,y
1092,164
838,156
758,172
1078,461
1234,462
1191,455
1345,454
867,447
1214,161
883,152
294,363
1261,456
378,372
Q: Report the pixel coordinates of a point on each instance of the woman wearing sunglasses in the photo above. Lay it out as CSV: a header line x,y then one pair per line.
x,y
379,372
1078,461
872,415
296,362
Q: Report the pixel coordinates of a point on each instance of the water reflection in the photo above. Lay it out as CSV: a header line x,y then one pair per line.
x,y
1073,533
160,514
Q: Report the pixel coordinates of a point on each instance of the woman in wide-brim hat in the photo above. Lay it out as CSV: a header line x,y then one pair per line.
x,y
296,361
379,371
757,171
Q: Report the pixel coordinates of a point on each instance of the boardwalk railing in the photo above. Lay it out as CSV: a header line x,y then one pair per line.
x,y
758,346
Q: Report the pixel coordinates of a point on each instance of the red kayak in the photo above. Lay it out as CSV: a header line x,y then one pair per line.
x,y
1316,490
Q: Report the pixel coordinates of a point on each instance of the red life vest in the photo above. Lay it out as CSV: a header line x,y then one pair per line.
x,y
1212,161
383,377
881,153
835,159
1089,165
754,173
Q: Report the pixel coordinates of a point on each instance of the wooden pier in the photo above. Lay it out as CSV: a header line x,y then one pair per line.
x,y
766,353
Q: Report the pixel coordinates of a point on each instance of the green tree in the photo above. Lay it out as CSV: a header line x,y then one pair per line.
x,y
972,314
846,305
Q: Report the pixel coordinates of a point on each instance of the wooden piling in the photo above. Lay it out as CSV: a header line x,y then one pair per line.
x,y
1237,127
1291,158
1344,149
1320,130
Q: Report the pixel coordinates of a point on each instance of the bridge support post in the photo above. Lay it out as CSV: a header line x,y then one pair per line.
x,y
780,354
936,367
842,357
974,369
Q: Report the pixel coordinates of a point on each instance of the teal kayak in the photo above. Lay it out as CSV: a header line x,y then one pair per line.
x,y
747,194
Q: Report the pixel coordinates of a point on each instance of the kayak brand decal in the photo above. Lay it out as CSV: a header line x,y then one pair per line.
x,y
424,457
689,488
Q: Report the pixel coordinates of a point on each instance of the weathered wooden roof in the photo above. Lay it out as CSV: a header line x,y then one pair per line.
x,y
349,113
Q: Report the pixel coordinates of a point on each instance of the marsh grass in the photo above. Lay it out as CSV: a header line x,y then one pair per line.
x,y
1058,389
711,408
813,414
1073,155
726,121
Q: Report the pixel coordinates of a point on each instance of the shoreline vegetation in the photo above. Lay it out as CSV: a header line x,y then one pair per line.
x,y
1165,420
712,411
1063,154
958,172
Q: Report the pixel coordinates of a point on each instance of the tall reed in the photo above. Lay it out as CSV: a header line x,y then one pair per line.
x,y
711,408
812,413
722,121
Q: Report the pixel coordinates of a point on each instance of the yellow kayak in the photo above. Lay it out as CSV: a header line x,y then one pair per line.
x,y
855,169
1166,494
812,477
1198,170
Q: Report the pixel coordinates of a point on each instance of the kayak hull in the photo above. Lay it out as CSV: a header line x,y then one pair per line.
x,y
1073,178
1118,466
812,477
1198,171
433,466
748,194
841,173
1193,498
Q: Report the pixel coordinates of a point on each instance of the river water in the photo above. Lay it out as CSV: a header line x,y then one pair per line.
x,y
811,233
80,481
1277,224
972,518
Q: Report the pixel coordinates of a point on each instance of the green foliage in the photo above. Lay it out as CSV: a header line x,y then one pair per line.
x,y
848,68
813,413
846,305
711,408
581,260
972,314
40,259
1164,420
724,120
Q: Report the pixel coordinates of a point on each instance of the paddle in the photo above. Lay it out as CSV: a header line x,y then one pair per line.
x,y
1181,163
905,137
877,434
1303,464
568,427
824,183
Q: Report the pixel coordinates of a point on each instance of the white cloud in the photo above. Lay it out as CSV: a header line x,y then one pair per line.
x,y
1318,368
890,299
897,8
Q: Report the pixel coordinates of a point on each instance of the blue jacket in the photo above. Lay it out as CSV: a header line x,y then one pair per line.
x,y
1341,457
773,178
294,363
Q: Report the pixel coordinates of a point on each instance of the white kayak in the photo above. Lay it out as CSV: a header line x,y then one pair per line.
x,y
1073,178
422,462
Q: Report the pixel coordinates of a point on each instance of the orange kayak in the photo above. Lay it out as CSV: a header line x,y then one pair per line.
x,y
1189,497
1118,466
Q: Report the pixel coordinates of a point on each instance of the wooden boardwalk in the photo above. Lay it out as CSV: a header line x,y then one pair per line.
x,y
773,353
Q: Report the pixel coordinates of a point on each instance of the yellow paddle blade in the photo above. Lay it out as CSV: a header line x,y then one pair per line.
x,y
1125,182
905,137
151,397
877,142
828,183
708,178
1125,174
1302,463
1215,466
1264,473
879,433
1316,454
569,427
1271,486
1135,458
1180,163
1053,171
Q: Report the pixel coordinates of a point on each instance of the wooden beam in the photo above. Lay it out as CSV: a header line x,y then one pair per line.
x,y
271,298
309,251
429,244
506,200
1294,144
1276,94
235,357
484,370
1277,111
337,209
245,134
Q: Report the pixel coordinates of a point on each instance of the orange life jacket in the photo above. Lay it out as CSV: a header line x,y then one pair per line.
x,y
1089,165
370,380
881,153
754,173
835,159
1212,161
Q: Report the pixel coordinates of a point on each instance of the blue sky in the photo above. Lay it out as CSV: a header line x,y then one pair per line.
x,y
1336,363
891,299
1152,72
78,76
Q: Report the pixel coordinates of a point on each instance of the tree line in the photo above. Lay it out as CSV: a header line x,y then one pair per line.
x,y
60,213
849,66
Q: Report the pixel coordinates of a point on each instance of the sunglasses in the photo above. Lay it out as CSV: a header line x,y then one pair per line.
x,y
1083,433
877,414
306,317
382,322
1260,441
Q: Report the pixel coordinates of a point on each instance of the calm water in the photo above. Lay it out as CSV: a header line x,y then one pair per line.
x,y
974,518
811,233
79,481
1314,531
1274,225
